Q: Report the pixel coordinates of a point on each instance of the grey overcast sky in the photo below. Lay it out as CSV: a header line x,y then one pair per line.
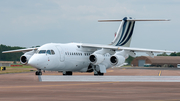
x,y
29,23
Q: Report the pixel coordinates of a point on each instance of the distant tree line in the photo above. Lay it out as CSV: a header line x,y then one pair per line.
x,y
10,56
129,60
172,54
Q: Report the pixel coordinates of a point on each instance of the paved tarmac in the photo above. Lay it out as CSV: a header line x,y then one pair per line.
x,y
55,78
26,87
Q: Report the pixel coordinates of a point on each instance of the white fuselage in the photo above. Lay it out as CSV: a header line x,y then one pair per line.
x,y
67,57
77,57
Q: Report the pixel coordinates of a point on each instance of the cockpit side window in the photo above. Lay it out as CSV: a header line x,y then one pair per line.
x,y
48,52
42,51
52,52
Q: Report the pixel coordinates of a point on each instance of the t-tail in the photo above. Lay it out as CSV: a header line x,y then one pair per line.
x,y
125,30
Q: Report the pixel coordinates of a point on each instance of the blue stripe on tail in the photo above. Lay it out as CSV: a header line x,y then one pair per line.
x,y
126,33
121,44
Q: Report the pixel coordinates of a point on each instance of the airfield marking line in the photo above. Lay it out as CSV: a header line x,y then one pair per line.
x,y
110,71
58,85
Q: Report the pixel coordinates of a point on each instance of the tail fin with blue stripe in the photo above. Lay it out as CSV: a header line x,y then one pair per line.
x,y
125,30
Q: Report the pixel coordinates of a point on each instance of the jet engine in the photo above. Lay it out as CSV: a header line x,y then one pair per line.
x,y
96,58
117,60
24,59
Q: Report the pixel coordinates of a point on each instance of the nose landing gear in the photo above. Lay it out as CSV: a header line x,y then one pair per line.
x,y
38,72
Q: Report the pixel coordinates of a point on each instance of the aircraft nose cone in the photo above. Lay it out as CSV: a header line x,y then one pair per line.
x,y
32,62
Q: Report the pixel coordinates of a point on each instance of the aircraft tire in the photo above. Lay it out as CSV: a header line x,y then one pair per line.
x,y
101,74
68,73
98,74
95,74
38,73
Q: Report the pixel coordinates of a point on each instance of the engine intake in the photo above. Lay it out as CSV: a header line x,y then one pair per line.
x,y
96,58
24,59
117,60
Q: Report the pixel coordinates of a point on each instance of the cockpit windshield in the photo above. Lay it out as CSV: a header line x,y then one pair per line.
x,y
42,51
50,52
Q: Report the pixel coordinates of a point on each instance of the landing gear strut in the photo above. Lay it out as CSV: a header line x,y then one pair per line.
x,y
38,72
97,72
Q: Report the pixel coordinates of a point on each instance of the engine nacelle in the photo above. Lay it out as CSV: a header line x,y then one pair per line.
x,y
117,60
96,59
24,59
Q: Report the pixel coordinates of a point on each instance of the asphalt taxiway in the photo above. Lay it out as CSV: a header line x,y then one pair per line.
x,y
26,86
110,78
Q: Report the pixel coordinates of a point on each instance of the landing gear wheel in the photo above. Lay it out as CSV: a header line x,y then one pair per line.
x,y
95,74
38,73
67,73
98,74
101,74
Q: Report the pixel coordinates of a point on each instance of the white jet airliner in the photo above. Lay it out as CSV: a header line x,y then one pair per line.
x,y
78,57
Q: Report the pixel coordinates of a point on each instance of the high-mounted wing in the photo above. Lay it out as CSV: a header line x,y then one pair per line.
x,y
20,50
124,48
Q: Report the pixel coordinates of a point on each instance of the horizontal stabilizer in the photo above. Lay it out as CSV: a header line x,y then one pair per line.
x,y
113,20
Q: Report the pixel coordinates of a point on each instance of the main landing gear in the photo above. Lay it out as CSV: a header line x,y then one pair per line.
x,y
67,73
98,73
38,72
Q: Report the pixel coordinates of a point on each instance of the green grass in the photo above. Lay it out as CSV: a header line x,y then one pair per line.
x,y
25,68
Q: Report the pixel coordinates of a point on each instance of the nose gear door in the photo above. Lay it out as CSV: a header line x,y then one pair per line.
x,y
61,53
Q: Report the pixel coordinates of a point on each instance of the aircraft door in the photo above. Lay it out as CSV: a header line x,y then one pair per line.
x,y
61,53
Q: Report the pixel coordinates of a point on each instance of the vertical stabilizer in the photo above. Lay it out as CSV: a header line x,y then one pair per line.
x,y
124,33
125,30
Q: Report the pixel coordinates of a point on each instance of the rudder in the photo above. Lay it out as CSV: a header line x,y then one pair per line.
x,y
125,30
124,33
